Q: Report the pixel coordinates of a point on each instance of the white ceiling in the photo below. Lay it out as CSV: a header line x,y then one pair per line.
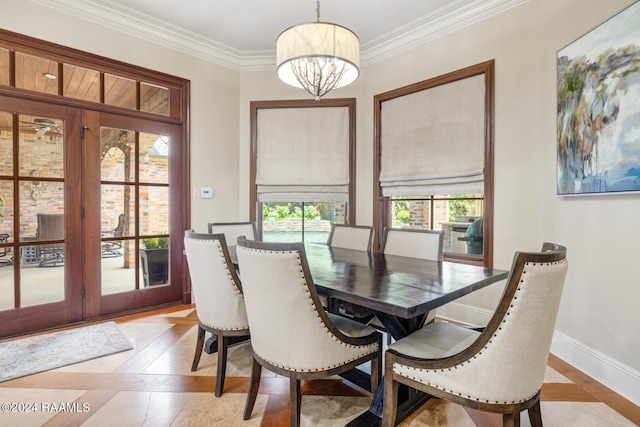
x,y
242,33
255,24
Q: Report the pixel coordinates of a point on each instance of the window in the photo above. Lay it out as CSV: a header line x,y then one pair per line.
x,y
300,221
302,168
434,161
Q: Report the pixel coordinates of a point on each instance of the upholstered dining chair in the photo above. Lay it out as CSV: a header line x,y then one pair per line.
x,y
414,243
217,293
500,369
346,236
357,237
233,230
291,334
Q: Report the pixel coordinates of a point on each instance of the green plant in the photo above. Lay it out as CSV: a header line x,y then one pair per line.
x,y
461,207
403,216
311,212
156,242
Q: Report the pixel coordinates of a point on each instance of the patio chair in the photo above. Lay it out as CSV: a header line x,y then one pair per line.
x,y
5,260
217,294
500,369
51,227
291,335
111,248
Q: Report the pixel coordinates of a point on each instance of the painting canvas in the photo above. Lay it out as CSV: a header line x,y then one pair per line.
x,y
599,109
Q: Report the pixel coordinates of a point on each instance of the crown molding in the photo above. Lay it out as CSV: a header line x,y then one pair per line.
x,y
448,19
456,15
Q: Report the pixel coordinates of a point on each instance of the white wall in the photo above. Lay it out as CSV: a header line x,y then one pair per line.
x,y
214,96
598,324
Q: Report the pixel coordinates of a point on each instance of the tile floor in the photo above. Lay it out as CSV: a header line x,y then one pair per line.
x,y
152,385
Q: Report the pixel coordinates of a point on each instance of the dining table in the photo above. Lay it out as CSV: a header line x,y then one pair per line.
x,y
400,290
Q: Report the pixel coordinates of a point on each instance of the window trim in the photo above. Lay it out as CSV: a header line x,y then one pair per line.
x,y
382,205
350,103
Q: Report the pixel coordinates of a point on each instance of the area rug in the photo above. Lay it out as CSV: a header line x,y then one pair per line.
x,y
40,353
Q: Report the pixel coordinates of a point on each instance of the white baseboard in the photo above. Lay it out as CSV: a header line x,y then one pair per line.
x,y
620,378
463,313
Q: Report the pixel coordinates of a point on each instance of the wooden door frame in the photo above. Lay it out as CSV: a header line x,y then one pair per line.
x,y
98,305
24,319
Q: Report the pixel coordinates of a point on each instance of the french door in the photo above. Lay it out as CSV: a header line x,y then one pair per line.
x,y
128,196
85,198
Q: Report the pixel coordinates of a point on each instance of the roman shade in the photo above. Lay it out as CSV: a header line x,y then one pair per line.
x,y
432,141
302,154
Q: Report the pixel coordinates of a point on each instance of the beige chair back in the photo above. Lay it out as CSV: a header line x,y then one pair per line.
x,y
414,243
288,326
345,236
507,362
216,289
233,230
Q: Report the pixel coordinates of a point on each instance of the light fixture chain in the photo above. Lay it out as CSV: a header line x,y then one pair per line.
x,y
318,11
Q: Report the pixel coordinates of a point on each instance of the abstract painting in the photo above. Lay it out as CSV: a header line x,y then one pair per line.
x,y
598,121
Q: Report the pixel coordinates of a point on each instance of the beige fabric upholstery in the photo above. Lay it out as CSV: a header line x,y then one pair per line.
x,y
217,294
511,367
287,329
219,302
502,368
414,243
233,230
435,341
291,334
356,237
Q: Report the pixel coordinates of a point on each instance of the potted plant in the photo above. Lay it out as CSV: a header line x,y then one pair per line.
x,y
155,261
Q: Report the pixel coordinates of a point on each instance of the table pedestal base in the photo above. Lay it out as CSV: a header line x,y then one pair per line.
x,y
211,345
408,402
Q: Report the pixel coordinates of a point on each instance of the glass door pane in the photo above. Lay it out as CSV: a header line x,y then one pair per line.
x,y
42,208
118,210
39,217
134,175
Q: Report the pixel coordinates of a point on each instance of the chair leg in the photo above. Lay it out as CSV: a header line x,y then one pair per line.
x,y
199,346
376,367
390,408
535,415
511,419
223,344
296,400
256,370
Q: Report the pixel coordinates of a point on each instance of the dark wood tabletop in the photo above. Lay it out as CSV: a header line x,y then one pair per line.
x,y
400,290
402,287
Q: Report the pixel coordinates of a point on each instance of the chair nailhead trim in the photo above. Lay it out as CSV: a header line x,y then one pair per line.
x,y
370,348
504,320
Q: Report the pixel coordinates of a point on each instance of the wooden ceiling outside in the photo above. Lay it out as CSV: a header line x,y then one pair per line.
x,y
78,83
